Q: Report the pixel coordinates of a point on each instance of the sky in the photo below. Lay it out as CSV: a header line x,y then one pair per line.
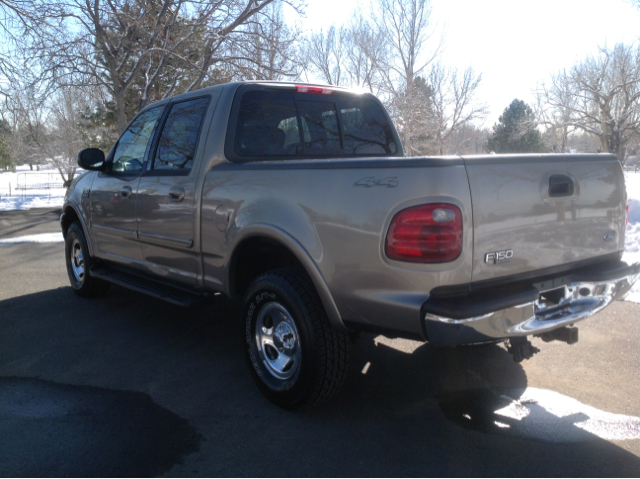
x,y
514,44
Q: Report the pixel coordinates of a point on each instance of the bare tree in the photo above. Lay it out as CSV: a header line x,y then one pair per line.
x,y
468,139
267,47
158,47
366,51
454,105
406,27
393,51
556,120
20,23
47,125
429,102
324,52
25,112
600,96
350,55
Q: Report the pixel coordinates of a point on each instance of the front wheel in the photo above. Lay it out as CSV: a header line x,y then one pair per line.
x,y
78,263
297,359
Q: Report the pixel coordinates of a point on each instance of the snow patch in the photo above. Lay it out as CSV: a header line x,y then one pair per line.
x,y
40,238
632,233
12,199
33,199
553,417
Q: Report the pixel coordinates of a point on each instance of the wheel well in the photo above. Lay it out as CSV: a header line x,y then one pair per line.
x,y
70,216
255,256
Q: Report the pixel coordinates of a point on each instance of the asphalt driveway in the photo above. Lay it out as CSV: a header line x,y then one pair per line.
x,y
126,385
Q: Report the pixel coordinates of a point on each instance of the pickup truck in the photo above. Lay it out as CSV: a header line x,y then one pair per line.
x,y
297,200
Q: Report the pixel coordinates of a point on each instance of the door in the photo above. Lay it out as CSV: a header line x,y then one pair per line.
x,y
112,196
166,195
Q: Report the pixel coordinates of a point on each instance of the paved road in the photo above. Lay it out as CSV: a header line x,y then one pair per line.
x,y
129,386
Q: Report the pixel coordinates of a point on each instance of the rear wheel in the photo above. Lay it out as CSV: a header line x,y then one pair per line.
x,y
297,359
78,264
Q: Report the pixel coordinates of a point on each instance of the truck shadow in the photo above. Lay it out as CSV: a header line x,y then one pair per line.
x,y
407,409
22,222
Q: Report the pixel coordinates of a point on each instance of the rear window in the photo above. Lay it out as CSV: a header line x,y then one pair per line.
x,y
296,125
267,125
365,129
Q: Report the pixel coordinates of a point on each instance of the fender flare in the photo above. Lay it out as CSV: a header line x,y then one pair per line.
x,y
83,224
293,245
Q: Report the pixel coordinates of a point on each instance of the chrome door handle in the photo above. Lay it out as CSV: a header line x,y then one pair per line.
x,y
176,193
125,192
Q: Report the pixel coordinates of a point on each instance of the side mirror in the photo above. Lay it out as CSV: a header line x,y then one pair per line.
x,y
91,159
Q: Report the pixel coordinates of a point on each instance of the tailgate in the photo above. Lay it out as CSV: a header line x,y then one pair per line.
x,y
532,212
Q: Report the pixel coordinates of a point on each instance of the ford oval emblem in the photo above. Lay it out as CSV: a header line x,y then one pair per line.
x,y
610,235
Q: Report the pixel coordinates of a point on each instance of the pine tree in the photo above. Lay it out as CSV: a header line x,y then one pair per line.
x,y
413,113
516,131
6,160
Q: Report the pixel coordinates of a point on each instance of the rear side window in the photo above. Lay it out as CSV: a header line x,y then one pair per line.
x,y
276,123
179,137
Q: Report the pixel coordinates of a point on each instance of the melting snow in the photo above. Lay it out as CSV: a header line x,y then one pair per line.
x,y
632,234
12,199
553,417
40,238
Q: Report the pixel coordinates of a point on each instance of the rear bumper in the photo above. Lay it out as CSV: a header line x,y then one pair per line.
x,y
491,314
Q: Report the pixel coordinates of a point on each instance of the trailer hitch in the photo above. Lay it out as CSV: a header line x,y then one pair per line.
x,y
521,348
565,334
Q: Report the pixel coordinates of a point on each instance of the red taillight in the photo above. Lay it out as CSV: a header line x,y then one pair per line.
x,y
626,209
425,234
313,89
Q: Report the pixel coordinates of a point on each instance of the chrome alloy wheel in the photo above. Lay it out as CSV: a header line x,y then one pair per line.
x,y
77,260
278,340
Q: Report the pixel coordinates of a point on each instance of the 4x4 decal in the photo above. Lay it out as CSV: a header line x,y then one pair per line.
x,y
370,181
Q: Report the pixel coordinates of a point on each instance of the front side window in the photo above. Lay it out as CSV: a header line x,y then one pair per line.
x,y
133,144
179,138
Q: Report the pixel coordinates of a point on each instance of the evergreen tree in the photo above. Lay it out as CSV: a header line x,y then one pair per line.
x,y
413,113
6,160
516,131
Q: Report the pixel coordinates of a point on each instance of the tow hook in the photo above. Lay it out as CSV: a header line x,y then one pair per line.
x,y
565,334
521,349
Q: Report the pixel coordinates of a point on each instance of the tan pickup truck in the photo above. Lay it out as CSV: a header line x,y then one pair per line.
x,y
298,201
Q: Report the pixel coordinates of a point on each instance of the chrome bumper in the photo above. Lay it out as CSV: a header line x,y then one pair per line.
x,y
572,302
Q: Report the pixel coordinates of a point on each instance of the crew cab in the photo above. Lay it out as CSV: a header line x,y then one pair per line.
x,y
297,200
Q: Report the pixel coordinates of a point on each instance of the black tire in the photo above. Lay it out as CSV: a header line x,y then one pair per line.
x,y
316,354
76,253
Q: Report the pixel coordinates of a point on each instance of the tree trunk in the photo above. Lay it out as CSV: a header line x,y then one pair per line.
x,y
121,114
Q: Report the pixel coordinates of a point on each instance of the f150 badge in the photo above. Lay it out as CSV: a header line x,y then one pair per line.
x,y
496,257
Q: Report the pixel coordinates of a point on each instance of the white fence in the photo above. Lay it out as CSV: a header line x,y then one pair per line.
x,y
6,190
38,181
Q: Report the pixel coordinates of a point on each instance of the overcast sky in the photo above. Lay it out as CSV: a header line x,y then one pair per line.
x,y
513,43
